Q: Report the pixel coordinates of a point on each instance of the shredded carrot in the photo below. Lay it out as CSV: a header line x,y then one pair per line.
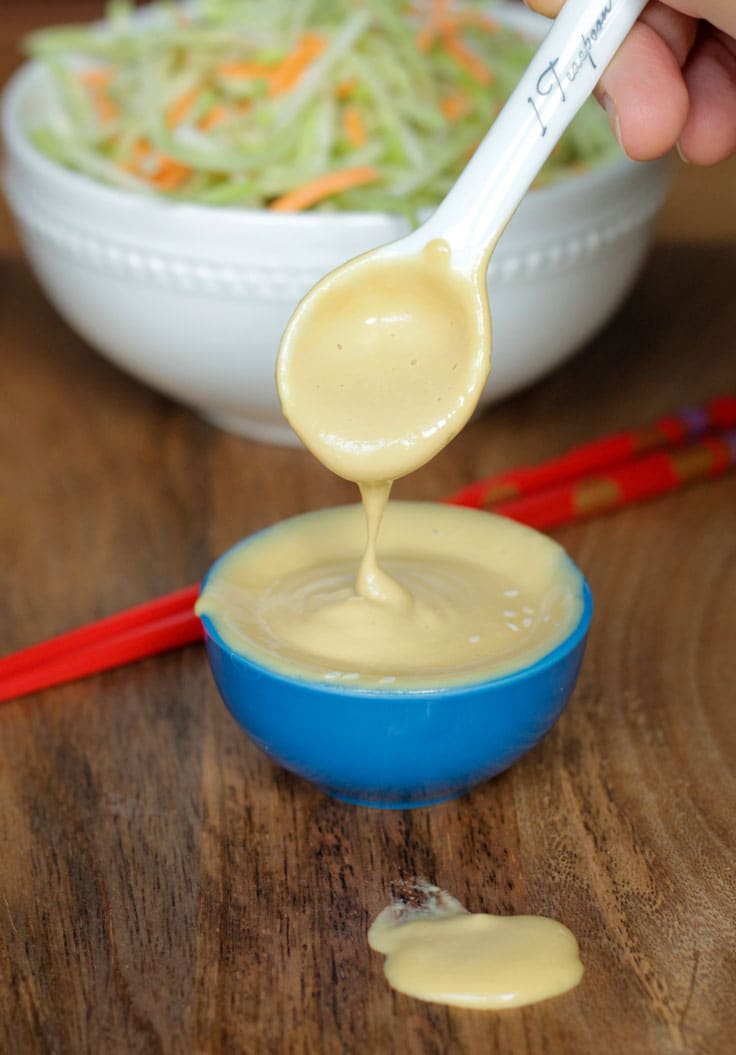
x,y
439,10
161,171
354,127
447,24
105,108
442,20
95,81
454,106
140,162
478,20
214,117
475,67
424,39
291,69
180,107
324,187
244,70
96,78
171,174
345,89
140,151
281,76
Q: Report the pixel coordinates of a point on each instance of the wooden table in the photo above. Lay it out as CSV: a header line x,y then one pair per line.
x,y
163,888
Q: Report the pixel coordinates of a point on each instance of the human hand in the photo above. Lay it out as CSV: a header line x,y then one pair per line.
x,y
673,81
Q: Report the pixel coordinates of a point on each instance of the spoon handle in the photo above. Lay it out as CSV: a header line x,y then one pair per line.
x,y
562,74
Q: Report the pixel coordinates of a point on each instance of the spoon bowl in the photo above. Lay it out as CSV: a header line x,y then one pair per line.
x,y
435,326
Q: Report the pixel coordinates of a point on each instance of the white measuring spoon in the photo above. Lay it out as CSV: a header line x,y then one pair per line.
x,y
399,294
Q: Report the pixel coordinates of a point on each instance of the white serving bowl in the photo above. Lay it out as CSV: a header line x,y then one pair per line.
x,y
193,299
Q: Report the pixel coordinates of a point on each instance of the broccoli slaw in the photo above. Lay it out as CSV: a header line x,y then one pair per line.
x,y
321,104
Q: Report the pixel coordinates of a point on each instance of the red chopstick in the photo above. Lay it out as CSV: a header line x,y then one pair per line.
x,y
146,630
591,479
669,431
625,484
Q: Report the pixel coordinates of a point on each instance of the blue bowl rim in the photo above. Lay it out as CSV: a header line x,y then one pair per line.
x,y
309,685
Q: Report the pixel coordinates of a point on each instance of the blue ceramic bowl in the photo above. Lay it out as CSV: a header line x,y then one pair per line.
x,y
397,748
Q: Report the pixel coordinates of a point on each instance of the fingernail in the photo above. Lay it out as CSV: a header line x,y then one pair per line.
x,y
681,155
610,107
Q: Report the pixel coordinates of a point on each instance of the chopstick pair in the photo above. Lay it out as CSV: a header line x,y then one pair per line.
x,y
609,473
615,471
146,630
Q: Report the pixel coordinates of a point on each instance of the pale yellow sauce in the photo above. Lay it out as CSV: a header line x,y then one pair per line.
x,y
377,372
472,596
441,953
379,368
384,362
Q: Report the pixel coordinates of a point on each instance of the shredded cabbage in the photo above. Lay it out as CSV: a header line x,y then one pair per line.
x,y
246,103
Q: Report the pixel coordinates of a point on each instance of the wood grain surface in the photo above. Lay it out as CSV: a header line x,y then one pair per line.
x,y
163,888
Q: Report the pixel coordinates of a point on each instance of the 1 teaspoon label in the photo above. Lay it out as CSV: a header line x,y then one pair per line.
x,y
551,81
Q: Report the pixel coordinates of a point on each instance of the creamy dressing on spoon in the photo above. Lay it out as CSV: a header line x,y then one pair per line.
x,y
381,367
384,362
